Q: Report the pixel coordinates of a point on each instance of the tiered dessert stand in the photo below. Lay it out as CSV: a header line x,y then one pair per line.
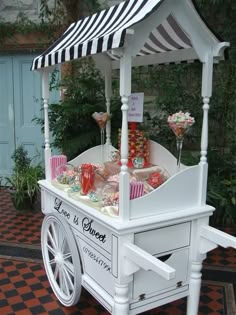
x,y
152,252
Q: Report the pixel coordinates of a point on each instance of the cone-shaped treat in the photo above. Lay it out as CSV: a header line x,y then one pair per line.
x,y
180,123
101,119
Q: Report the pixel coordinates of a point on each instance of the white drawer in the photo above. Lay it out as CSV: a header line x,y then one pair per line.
x,y
147,283
164,239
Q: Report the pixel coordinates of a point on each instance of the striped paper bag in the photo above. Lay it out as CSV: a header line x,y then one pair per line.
x,y
57,163
136,189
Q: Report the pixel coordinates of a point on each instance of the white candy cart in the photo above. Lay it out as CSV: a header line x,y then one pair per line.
x,y
152,252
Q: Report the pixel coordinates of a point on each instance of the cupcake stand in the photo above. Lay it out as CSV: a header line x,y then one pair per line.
x,y
149,250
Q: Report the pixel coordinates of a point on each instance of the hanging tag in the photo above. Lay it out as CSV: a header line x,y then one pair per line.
x,y
135,112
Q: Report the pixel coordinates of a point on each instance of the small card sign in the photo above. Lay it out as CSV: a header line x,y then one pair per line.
x,y
135,112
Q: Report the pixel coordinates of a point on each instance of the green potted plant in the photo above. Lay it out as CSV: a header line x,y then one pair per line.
x,y
23,183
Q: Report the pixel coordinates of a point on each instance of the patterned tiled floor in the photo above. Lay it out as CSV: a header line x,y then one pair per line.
x,y
24,288
18,227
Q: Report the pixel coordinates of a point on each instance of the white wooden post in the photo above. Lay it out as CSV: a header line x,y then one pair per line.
x,y
207,76
121,299
47,149
125,91
108,93
194,288
195,266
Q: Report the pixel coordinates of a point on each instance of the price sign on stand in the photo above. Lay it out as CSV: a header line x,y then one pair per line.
x,y
135,112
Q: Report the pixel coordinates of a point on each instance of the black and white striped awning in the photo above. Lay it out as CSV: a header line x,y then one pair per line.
x,y
168,36
105,31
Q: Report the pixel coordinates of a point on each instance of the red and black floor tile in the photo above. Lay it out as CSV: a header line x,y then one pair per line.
x,y
16,226
24,289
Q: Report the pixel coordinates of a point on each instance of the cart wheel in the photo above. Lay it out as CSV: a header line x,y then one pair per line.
x,y
61,259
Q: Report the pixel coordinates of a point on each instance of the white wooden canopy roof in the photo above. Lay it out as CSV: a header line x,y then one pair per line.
x,y
151,31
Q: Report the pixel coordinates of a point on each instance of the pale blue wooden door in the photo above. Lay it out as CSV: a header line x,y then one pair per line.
x,y
27,105
20,102
7,142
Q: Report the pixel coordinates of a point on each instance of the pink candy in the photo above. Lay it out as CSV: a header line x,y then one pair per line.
x,y
181,119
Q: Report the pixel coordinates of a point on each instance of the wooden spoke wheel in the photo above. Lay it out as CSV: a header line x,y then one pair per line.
x,y
61,259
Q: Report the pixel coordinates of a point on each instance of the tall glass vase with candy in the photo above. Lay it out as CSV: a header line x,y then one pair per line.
x,y
180,123
101,119
87,177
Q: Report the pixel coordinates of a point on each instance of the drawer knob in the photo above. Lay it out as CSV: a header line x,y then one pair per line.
x,y
142,297
179,284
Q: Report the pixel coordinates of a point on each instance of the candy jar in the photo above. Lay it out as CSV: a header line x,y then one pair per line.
x,y
180,123
111,194
97,194
101,119
66,174
87,178
155,179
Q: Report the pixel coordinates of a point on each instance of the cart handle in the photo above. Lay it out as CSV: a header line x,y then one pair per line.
x,y
146,261
211,238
